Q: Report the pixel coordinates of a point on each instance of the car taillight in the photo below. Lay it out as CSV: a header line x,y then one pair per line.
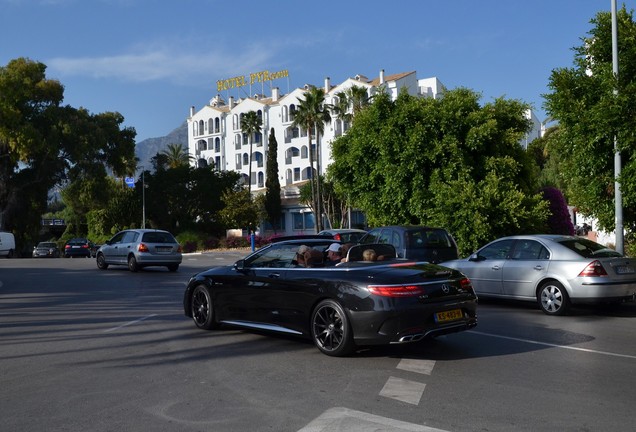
x,y
85,246
67,246
396,290
466,284
179,249
336,237
595,268
143,248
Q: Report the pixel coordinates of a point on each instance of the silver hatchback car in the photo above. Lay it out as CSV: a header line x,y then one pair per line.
x,y
138,248
553,270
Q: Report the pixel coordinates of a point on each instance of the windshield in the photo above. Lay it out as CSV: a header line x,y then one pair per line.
x,y
589,249
428,238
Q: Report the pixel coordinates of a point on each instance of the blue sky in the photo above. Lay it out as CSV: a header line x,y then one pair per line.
x,y
152,60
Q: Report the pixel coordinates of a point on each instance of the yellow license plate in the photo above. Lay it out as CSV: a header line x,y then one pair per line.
x,y
450,315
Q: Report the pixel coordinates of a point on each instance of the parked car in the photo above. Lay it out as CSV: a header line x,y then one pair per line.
x,y
47,250
139,248
553,270
7,244
353,304
78,247
420,243
344,235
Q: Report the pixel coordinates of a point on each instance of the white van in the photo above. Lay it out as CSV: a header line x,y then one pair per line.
x,y
7,244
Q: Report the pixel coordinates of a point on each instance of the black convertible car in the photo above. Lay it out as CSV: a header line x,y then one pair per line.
x,y
288,287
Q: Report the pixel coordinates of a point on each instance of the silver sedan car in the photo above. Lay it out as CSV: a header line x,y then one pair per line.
x,y
138,248
553,270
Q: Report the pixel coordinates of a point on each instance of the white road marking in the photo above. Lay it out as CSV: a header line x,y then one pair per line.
x,y
129,323
341,419
418,366
530,341
403,390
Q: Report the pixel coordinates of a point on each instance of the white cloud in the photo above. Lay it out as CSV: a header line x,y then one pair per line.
x,y
164,64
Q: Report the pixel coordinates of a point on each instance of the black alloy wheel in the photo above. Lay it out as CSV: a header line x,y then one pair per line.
x,y
132,264
202,308
553,299
101,262
330,329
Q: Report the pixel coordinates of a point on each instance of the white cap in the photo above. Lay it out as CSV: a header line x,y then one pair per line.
x,y
334,247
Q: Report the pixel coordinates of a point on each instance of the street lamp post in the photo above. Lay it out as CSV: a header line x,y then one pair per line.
x,y
143,199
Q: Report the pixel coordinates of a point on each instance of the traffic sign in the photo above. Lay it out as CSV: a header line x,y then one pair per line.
x,y
130,181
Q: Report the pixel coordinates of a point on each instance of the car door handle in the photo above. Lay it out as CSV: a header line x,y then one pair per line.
x,y
538,267
274,275
495,267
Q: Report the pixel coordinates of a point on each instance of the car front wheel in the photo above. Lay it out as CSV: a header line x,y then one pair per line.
x,y
202,308
101,262
553,298
330,329
132,264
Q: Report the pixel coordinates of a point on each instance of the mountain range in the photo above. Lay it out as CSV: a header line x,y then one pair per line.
x,y
145,150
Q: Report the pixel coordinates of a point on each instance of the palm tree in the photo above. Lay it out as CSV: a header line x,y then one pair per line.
x,y
250,124
341,108
312,114
176,155
358,98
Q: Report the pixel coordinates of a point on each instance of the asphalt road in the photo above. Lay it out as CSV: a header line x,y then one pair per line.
x,y
89,350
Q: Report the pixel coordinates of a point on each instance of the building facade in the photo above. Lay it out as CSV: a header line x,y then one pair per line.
x,y
215,137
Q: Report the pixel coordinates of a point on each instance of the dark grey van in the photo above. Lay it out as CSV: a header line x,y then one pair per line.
x,y
420,243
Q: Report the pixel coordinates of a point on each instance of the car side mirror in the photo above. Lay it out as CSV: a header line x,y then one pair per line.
x,y
475,257
239,265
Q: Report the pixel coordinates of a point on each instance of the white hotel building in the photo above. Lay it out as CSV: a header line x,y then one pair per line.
x,y
215,136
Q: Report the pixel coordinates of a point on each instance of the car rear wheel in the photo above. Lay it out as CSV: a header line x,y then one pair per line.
x,y
132,264
553,298
202,308
330,329
101,262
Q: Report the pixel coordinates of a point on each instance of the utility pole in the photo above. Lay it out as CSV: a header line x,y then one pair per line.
x,y
618,197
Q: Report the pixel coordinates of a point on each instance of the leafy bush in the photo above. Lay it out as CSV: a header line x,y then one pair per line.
x,y
189,246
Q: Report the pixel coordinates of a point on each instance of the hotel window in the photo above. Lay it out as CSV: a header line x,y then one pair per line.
x,y
292,112
296,174
201,127
261,179
258,157
217,125
217,163
245,138
237,141
246,159
303,152
235,122
217,144
303,221
238,162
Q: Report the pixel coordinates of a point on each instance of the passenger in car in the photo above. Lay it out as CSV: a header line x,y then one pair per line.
x,y
369,255
300,258
344,250
334,255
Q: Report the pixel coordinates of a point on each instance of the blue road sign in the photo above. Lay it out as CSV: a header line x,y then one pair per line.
x,y
130,181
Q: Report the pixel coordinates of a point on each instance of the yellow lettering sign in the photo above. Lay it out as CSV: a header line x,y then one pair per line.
x,y
256,77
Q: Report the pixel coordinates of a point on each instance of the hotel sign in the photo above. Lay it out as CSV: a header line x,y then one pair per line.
x,y
256,77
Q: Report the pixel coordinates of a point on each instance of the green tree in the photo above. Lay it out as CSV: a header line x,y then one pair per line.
x,y
312,114
43,144
185,197
448,162
240,209
176,155
273,205
251,123
590,115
